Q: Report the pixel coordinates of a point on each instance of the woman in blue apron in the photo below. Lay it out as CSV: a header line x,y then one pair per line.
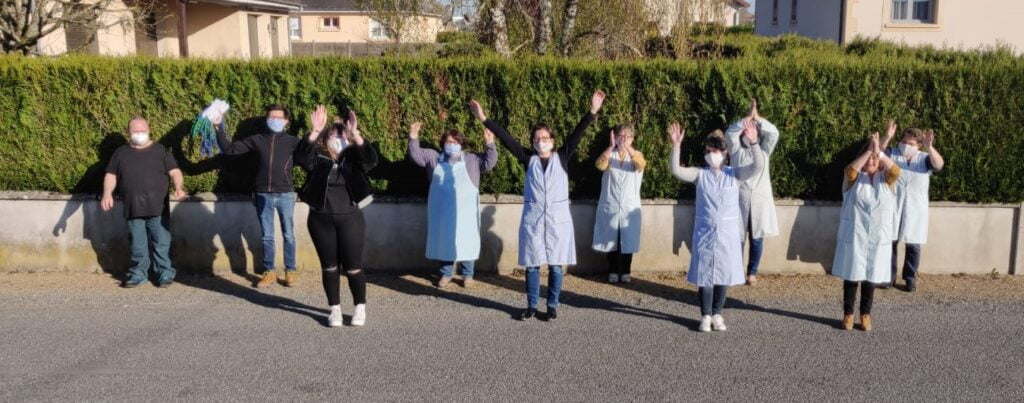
x,y
716,260
453,204
911,217
863,247
617,219
546,235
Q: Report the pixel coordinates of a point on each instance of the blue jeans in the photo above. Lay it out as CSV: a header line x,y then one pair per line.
x,y
533,286
712,299
284,204
151,234
448,268
756,249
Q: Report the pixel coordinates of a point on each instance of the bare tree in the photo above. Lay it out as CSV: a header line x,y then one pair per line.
x,y
399,19
568,26
499,27
542,39
24,23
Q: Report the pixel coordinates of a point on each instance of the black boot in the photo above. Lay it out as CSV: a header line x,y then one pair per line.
x,y
552,314
529,313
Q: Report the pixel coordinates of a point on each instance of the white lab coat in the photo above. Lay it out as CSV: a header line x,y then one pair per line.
x,y
864,241
910,220
757,204
618,209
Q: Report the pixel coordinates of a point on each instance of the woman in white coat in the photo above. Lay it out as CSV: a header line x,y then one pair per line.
x,y
617,219
911,217
865,229
546,235
757,204
716,261
453,203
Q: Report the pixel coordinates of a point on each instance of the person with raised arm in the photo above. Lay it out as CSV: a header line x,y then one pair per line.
x,y
617,219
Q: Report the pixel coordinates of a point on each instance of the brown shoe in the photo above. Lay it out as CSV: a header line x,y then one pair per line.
x,y
268,279
443,282
865,323
290,278
468,282
751,279
847,322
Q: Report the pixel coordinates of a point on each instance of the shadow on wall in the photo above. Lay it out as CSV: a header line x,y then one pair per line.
x,y
813,239
682,228
491,245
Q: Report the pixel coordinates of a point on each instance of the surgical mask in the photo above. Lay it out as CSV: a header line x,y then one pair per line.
x,y
140,138
275,125
336,145
452,150
908,150
543,147
714,159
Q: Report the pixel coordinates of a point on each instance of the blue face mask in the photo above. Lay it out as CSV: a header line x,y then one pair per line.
x,y
275,125
452,150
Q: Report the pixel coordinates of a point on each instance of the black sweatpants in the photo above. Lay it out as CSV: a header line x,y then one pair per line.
x,y
867,296
618,262
338,239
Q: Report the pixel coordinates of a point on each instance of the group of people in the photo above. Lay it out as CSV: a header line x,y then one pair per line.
x,y
885,201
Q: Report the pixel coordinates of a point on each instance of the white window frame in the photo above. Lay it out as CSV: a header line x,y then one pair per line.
x,y
326,27
379,27
294,27
902,12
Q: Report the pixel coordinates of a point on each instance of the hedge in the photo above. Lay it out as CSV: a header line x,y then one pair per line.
x,y
60,119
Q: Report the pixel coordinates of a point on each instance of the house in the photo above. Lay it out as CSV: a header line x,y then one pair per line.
x,y
192,28
345,22
941,23
723,12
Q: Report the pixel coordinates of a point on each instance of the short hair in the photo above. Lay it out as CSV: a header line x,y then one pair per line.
x,y
624,127
538,127
134,118
455,135
914,133
279,107
716,140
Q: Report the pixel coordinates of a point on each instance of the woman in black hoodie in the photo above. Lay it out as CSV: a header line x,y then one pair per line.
x,y
336,190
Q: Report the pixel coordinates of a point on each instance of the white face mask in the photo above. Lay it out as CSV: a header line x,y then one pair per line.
x,y
908,150
714,160
543,147
336,145
140,138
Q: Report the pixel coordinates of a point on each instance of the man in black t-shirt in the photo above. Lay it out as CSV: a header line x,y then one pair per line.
x,y
140,172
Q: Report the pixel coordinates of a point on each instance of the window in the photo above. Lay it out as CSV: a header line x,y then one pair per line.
x,y
378,31
294,28
329,23
792,13
775,12
913,11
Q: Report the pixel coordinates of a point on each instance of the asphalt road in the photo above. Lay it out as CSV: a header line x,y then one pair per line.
x,y
213,340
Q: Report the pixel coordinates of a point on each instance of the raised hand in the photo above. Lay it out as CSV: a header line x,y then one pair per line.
x,y
318,120
752,114
596,101
352,127
488,136
676,133
890,132
875,146
929,139
414,130
217,120
611,140
477,110
750,130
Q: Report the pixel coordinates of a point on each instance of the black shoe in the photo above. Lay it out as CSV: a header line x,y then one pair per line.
x,y
911,285
886,286
552,314
132,282
528,314
164,283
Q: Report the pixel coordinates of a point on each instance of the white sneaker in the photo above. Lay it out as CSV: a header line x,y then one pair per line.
x,y
625,278
613,278
705,324
335,319
718,323
359,317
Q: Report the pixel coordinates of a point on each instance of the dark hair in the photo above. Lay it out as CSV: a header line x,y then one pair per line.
x,y
716,140
455,135
279,107
914,133
540,126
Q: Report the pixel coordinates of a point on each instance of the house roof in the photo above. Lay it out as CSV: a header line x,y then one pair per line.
x,y
740,4
273,5
330,5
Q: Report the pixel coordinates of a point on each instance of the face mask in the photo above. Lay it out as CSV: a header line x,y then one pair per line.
x,y
140,138
543,147
336,145
714,159
908,150
275,125
453,150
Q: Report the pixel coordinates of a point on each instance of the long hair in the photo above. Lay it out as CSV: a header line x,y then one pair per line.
x,y
337,125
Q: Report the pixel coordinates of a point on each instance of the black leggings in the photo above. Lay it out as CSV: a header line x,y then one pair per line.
x,y
618,262
867,296
338,239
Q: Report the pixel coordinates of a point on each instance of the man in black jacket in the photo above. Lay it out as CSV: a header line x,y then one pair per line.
x,y
273,186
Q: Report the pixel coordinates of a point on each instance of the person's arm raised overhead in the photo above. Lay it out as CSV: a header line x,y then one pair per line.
x,y
685,174
750,141
934,158
419,155
521,153
573,141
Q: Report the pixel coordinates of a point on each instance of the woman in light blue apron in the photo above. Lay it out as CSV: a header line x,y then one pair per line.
x,y
863,247
716,260
546,235
453,204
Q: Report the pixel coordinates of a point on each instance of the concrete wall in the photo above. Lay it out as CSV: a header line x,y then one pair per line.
x,y
819,19
72,234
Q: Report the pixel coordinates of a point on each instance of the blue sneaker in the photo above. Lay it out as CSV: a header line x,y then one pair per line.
x,y
133,282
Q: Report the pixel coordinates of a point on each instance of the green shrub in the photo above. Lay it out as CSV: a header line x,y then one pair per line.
x,y
60,119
